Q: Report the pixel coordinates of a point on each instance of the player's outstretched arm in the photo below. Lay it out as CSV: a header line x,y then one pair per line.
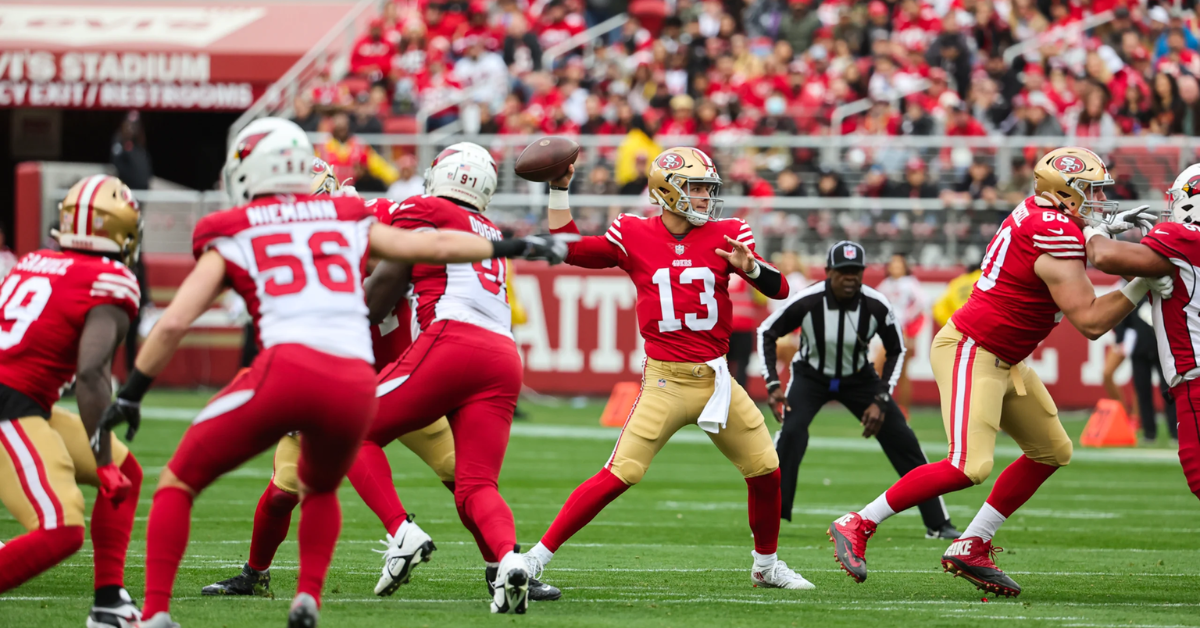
x,y
385,287
1075,296
558,210
199,290
1127,258
103,331
458,247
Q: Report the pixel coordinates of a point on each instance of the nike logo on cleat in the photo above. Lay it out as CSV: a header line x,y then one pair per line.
x,y
959,548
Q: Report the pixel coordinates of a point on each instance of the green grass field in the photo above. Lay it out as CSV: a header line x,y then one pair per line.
x,y
1110,540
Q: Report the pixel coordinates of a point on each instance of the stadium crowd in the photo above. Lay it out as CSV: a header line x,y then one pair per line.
x,y
719,71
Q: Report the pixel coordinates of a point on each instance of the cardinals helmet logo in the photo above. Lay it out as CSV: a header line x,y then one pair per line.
x,y
248,143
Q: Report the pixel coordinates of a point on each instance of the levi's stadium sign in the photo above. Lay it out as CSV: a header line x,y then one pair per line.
x,y
152,56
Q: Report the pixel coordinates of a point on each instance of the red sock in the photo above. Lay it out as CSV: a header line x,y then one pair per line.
x,y
320,524
583,505
34,552
166,540
271,523
112,526
1017,483
371,476
764,505
924,483
492,518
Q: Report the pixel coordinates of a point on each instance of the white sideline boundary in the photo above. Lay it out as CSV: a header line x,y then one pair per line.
x,y
693,437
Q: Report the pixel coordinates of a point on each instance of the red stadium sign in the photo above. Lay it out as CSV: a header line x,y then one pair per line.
x,y
146,56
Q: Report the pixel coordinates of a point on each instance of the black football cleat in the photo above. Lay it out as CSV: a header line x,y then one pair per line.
x,y
538,591
946,533
974,559
115,609
249,582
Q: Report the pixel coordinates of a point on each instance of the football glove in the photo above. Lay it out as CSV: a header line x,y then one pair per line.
x,y
1124,220
122,411
551,248
1162,287
113,484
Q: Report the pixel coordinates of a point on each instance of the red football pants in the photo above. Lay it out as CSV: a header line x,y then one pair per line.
x,y
1187,411
472,377
328,399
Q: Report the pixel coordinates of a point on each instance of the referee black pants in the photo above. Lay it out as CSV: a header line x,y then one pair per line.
x,y
805,398
1143,386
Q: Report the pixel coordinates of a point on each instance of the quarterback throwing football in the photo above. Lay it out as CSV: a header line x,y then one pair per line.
x,y
1033,275
681,263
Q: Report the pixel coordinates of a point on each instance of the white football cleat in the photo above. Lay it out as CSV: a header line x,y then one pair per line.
x,y
778,576
160,620
510,591
122,614
303,613
410,547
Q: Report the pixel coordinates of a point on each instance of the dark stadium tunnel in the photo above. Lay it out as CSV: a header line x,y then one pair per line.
x,y
187,148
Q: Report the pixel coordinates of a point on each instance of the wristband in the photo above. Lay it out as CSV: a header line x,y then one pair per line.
x,y
512,247
1090,232
558,198
1135,290
136,387
753,274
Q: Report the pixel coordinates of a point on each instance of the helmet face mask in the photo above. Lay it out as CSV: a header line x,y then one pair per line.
x,y
684,181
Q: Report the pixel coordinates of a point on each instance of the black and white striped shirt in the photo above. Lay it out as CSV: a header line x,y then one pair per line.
x,y
834,337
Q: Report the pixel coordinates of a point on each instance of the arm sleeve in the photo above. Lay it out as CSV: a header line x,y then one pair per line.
x,y
591,251
893,345
783,322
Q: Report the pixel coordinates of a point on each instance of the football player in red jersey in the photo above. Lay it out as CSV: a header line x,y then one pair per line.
x,y
464,318
681,263
298,261
64,314
1033,275
273,516
1171,249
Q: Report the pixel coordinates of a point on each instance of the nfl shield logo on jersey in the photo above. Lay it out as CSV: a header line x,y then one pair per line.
x,y
662,383
850,251
679,249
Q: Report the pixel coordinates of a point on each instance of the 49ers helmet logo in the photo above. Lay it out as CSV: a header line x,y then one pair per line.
x,y
1068,164
669,161
248,143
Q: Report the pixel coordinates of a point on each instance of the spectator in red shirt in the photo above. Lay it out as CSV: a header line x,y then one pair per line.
x,y
961,124
683,119
556,25
477,27
371,56
440,23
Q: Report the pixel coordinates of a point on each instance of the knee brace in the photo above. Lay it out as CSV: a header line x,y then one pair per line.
x,y
628,470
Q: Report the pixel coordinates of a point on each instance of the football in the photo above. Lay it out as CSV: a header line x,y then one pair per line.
x,y
546,159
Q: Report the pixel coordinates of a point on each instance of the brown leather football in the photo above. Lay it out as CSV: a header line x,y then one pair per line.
x,y
546,159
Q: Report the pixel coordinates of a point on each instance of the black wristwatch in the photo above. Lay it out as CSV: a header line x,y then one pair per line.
x,y
883,398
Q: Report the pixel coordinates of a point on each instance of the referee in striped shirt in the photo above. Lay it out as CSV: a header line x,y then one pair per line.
x,y
837,319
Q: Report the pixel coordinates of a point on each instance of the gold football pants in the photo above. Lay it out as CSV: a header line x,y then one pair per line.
x,y
42,464
981,395
673,395
433,444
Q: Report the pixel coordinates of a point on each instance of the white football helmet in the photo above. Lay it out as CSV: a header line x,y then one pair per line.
x,y
269,156
464,172
1183,199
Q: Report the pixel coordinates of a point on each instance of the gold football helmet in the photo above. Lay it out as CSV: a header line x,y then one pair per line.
x,y
1071,178
323,181
100,214
673,175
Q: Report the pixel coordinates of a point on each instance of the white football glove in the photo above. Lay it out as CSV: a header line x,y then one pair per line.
x,y
1122,221
1162,287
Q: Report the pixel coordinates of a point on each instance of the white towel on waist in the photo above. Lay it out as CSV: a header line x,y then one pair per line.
x,y
716,411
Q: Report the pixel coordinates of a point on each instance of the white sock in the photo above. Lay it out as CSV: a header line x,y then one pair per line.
x,y
878,510
985,523
541,553
491,565
764,559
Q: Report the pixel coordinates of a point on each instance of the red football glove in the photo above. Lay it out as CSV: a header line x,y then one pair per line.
x,y
113,484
